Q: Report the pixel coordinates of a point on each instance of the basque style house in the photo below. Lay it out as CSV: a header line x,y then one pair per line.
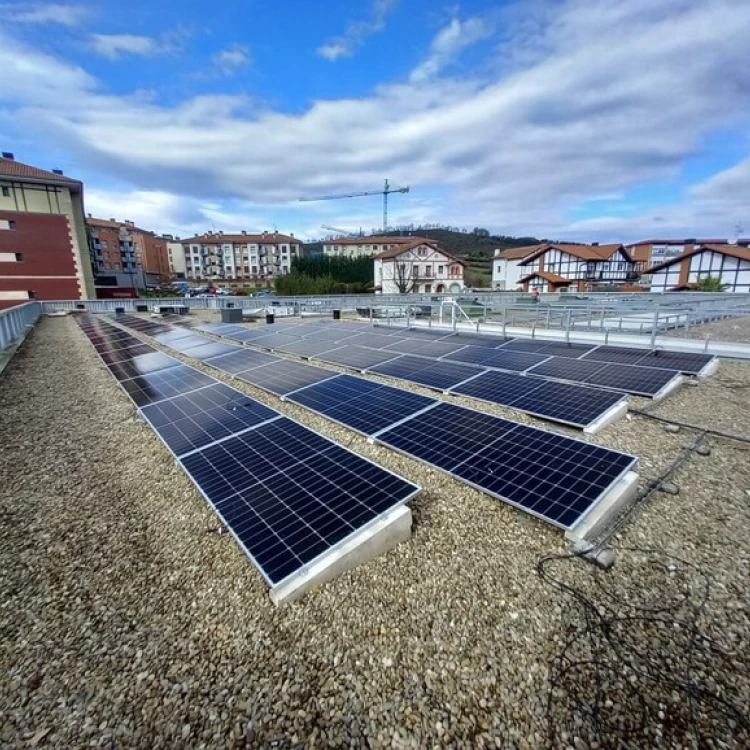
x,y
729,263
421,266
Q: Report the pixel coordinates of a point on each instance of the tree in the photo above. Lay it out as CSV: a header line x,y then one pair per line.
x,y
711,284
403,276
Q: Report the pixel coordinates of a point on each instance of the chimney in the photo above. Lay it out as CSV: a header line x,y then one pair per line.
x,y
129,223
57,171
291,234
9,155
244,231
90,216
111,218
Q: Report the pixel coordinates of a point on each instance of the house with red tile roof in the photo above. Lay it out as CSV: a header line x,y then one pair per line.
x,y
420,266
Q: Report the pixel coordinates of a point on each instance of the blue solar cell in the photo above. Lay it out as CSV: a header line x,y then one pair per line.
x,y
209,349
284,376
288,495
357,357
425,348
142,364
615,354
156,386
199,418
690,364
363,405
440,375
241,360
498,358
548,475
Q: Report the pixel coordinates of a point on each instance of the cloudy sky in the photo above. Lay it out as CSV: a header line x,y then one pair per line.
x,y
568,119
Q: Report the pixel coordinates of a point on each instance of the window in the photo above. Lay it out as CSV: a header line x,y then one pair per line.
x,y
440,270
421,251
428,270
7,224
6,192
32,294
428,288
19,257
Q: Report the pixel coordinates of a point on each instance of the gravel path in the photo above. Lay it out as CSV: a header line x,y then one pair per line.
x,y
125,622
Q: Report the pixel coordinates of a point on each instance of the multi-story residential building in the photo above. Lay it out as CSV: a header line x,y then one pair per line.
x,y
122,246
562,267
506,267
260,258
421,266
356,247
175,257
43,249
728,263
648,253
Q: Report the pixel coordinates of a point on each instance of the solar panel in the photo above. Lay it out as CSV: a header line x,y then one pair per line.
x,y
188,342
440,375
363,405
551,476
249,334
496,358
307,348
426,334
425,348
156,386
125,355
197,419
332,332
372,340
209,349
475,339
686,362
289,495
549,348
357,357
576,405
284,376
641,381
615,354
275,341
241,360
171,336
142,364
580,370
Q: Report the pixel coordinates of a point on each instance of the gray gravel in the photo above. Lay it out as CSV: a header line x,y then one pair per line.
x,y
124,622
731,329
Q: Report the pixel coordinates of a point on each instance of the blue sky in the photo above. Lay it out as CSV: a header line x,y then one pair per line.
x,y
568,119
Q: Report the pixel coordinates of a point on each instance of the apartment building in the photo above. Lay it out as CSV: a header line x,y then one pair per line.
x,y
44,253
175,257
260,258
730,263
356,247
421,267
121,246
562,267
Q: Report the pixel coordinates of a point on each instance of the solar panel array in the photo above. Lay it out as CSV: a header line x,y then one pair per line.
x,y
281,376
286,494
548,475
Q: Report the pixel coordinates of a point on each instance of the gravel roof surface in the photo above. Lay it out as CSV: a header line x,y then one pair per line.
x,y
126,622
731,329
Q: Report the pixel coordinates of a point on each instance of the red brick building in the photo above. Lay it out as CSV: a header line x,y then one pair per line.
x,y
43,248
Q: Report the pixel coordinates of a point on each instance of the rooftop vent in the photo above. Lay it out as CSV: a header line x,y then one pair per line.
x,y
9,155
112,218
57,171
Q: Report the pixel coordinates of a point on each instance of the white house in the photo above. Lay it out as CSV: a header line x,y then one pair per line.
x,y
506,267
560,267
356,247
420,267
729,263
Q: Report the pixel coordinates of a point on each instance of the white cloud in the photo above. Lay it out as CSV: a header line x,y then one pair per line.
x,y
447,44
357,31
45,13
228,61
114,46
592,101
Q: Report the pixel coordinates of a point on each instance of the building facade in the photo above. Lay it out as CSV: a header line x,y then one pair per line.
x,y
43,247
420,267
121,246
175,257
648,253
506,267
729,263
357,247
558,267
258,258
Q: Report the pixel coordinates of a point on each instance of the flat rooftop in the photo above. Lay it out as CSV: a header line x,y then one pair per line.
x,y
125,619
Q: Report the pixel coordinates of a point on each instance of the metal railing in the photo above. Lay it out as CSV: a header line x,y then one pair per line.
x,y
16,320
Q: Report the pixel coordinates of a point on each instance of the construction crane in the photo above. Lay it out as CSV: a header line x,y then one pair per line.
x,y
338,230
385,192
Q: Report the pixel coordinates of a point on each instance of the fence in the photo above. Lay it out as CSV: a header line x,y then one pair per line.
x,y
16,320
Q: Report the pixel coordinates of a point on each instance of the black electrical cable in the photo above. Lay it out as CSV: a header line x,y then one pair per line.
x,y
643,666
